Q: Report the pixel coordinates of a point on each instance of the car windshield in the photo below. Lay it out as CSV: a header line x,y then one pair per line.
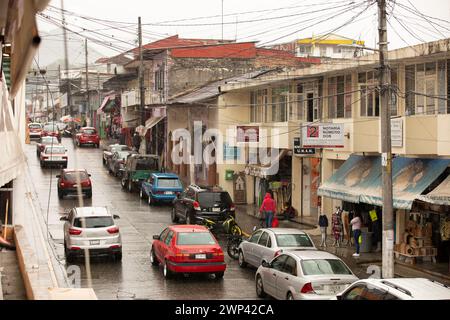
x,y
34,126
169,183
51,128
93,222
122,154
324,266
293,240
209,199
120,148
72,176
54,150
89,131
195,239
49,140
147,164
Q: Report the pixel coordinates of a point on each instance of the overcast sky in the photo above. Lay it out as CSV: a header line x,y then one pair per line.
x,y
287,20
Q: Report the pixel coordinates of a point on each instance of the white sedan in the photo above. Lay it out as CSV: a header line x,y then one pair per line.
x,y
303,275
54,156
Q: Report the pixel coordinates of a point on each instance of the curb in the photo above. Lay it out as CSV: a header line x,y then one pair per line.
x,y
435,274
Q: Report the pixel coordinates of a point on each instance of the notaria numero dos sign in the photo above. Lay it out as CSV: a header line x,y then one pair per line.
x,y
323,135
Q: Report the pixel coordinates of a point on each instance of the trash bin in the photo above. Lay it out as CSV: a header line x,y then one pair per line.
x,y
366,241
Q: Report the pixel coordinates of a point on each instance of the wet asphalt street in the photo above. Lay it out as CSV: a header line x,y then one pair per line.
x,y
134,277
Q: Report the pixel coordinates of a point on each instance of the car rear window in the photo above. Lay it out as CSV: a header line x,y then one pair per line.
x,y
51,128
209,199
89,131
324,266
55,150
168,183
195,239
120,148
94,222
34,126
49,140
147,164
293,240
72,176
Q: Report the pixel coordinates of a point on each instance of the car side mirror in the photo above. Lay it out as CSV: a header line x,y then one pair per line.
x,y
58,176
254,228
116,216
65,218
266,264
156,237
89,175
339,297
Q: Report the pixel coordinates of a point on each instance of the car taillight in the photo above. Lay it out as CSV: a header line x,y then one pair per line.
x,y
44,158
86,184
307,288
64,157
277,253
113,230
62,184
232,207
196,205
159,192
74,232
182,256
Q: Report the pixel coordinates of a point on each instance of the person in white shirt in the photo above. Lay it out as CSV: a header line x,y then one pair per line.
x,y
356,223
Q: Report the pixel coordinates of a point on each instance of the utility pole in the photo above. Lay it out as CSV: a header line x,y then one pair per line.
x,y
88,104
222,20
66,61
386,148
141,85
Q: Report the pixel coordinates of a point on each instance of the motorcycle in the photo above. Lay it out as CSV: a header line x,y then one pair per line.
x,y
233,246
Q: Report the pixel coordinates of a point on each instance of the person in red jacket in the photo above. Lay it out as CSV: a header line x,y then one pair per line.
x,y
268,207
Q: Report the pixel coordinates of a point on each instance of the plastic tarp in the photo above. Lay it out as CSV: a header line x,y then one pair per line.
x,y
440,195
356,176
410,178
12,160
106,102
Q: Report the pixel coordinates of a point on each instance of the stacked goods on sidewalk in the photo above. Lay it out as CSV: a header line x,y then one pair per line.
x,y
416,242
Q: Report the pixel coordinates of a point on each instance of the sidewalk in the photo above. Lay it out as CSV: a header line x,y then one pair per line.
x,y
11,282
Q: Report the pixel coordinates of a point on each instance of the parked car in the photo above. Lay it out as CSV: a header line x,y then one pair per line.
x,y
116,162
35,130
67,182
51,130
54,156
395,289
187,249
138,169
87,136
109,151
91,228
205,202
265,244
161,187
45,141
303,275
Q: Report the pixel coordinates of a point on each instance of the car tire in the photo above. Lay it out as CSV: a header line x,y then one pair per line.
x,y
260,287
117,256
89,194
42,164
166,271
70,258
241,260
104,162
289,296
141,194
150,200
219,275
174,216
98,145
130,186
60,194
189,218
153,258
123,183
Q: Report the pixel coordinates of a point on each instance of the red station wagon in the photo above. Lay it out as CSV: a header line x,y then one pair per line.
x,y
187,249
87,136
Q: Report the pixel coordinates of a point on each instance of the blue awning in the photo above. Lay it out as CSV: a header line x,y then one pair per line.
x,y
352,179
410,178
359,180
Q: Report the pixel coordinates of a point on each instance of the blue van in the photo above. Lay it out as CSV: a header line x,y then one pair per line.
x,y
161,187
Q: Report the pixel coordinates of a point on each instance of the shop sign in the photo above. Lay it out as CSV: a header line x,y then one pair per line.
x,y
298,150
397,133
247,134
239,188
323,135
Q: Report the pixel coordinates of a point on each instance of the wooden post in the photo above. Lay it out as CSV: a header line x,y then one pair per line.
x,y
6,221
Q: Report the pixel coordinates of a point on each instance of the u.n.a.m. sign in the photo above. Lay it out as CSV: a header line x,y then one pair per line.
x,y
323,135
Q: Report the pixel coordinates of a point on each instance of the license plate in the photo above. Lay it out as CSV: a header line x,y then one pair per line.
x,y
56,158
200,256
94,242
75,185
216,209
333,288
168,192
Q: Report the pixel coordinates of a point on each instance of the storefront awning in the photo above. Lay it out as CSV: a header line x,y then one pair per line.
x,y
353,178
440,195
107,102
410,178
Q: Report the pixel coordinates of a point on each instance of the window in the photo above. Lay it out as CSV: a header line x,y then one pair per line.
x,y
305,103
304,49
339,102
163,234
263,239
323,51
168,183
369,95
324,266
258,105
255,237
72,176
195,239
159,78
337,49
93,222
290,266
278,262
410,84
269,243
169,238
293,240
354,293
210,199
279,104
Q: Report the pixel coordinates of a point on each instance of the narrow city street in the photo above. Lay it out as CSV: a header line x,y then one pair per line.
x,y
134,277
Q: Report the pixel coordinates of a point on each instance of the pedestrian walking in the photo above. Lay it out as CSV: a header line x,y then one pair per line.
x,y
136,141
356,228
268,208
336,223
323,224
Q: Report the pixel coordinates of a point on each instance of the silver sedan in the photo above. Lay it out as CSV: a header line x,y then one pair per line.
x,y
303,275
265,244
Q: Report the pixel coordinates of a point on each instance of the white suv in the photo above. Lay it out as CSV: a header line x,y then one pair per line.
x,y
91,228
396,289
